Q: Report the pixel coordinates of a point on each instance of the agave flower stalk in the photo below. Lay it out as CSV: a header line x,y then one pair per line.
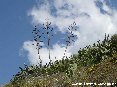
x,y
37,38
70,36
48,32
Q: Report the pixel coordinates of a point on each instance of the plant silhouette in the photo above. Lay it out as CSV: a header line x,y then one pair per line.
x,y
43,33
47,34
37,35
48,30
71,37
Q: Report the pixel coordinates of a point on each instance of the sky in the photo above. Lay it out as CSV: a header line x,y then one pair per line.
x,y
18,18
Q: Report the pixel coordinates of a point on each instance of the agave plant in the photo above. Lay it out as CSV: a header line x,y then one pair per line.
x,y
37,34
48,30
71,37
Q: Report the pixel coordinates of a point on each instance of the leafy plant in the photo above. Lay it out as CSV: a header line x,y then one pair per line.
x,y
88,64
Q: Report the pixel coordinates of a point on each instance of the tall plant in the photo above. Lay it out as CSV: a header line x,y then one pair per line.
x,y
39,34
71,37
48,32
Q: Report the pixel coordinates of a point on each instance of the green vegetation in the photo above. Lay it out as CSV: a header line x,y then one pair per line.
x,y
96,63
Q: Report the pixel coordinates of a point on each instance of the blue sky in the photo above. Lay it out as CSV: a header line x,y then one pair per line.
x,y
15,28
16,19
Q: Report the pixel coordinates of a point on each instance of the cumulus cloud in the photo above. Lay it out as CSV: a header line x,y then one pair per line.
x,y
56,51
93,23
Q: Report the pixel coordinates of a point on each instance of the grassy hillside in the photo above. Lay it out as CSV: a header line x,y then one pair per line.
x,y
96,63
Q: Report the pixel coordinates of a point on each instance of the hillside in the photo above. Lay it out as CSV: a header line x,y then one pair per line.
x,y
96,63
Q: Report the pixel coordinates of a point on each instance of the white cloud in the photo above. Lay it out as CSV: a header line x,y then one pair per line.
x,y
92,22
57,51
41,14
